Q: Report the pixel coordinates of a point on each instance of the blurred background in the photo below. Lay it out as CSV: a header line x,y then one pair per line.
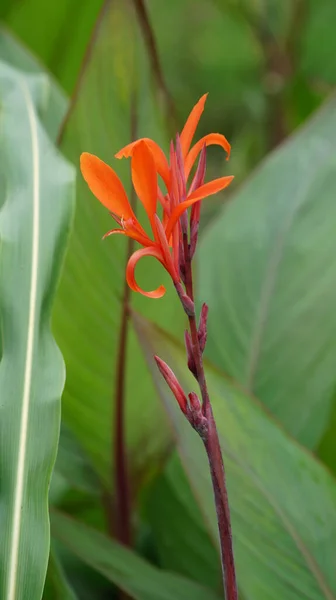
x,y
266,267
267,64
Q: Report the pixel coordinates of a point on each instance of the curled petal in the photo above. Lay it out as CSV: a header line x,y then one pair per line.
x,y
211,139
160,160
105,184
130,277
191,124
144,177
208,189
131,233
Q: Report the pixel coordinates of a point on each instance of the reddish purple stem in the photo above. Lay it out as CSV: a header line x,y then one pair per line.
x,y
212,446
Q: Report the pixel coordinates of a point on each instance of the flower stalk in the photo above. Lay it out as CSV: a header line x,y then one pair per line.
x,y
173,241
206,427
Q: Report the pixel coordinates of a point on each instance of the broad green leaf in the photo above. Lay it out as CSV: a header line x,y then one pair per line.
x,y
123,567
268,273
71,465
282,500
53,103
34,222
89,305
48,30
181,538
56,586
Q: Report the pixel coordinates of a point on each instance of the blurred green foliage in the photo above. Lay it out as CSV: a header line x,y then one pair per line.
x,y
56,32
262,61
267,65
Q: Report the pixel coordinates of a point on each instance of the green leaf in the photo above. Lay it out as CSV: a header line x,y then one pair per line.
x,y
268,273
73,465
48,30
123,567
34,223
53,103
90,301
282,500
181,538
56,586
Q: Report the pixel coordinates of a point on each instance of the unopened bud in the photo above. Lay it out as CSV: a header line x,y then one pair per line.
x,y
190,356
180,168
202,328
195,415
181,183
173,383
186,301
199,176
194,226
196,208
182,267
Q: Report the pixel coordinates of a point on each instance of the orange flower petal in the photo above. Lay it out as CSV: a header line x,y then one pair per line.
x,y
160,160
105,184
191,124
130,277
144,177
135,235
208,189
209,140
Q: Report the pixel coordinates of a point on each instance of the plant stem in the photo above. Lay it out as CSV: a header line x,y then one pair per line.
x,y
153,55
122,523
119,456
213,449
214,453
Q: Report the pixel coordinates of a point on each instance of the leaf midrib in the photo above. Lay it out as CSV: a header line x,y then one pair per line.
x,y
20,468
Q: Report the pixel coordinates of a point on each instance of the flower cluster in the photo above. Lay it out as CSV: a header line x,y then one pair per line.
x,y
149,163
173,242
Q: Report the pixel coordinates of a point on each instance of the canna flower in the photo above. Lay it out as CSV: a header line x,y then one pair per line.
x,y
149,162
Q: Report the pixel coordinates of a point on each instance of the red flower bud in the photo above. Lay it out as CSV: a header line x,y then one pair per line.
x,y
182,265
173,383
180,167
196,208
194,227
200,172
189,348
202,328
